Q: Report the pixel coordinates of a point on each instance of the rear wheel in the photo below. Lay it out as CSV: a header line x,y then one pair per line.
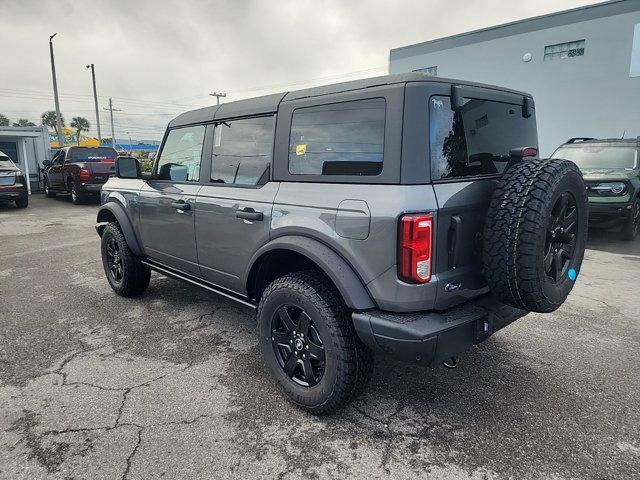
x,y
632,224
125,272
309,343
22,202
535,234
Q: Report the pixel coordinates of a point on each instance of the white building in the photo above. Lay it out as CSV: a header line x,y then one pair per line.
x,y
582,67
27,147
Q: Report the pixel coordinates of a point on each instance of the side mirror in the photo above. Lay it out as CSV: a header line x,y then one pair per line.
x,y
127,167
46,163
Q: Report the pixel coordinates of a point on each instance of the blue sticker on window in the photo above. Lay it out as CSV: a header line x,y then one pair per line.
x,y
572,274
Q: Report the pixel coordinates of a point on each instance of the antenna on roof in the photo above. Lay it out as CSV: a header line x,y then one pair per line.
x,y
625,131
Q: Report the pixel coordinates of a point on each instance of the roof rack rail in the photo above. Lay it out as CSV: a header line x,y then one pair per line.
x,y
579,139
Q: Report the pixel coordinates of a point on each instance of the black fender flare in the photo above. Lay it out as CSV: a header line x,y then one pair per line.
x,y
113,209
331,263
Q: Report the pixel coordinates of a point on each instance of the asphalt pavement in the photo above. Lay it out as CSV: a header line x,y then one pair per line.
x,y
171,384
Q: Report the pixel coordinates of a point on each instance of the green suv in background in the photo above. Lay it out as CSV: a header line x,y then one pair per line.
x,y
611,173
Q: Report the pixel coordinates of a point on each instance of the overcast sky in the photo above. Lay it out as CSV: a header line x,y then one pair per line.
x,y
159,58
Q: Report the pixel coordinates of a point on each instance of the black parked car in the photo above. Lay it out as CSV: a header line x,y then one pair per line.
x,y
13,185
78,171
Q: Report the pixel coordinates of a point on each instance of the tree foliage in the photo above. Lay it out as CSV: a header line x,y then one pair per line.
x,y
4,121
80,124
23,122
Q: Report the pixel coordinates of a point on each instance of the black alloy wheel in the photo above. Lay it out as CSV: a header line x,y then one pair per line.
x,y
114,260
297,345
561,239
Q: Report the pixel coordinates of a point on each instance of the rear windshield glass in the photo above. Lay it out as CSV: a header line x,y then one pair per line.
x,y
91,154
338,139
599,156
476,140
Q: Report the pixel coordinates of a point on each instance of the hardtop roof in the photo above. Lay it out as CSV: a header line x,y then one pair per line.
x,y
269,103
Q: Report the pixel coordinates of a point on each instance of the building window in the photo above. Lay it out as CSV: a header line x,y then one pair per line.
x,y
564,50
433,71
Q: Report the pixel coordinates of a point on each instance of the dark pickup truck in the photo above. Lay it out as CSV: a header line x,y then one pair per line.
x,y
78,171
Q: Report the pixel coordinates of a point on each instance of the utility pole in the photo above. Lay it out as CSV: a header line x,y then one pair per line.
x,y
55,92
95,100
218,95
111,110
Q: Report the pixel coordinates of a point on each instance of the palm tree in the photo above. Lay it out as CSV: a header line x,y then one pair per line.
x,y
49,119
80,124
23,122
4,121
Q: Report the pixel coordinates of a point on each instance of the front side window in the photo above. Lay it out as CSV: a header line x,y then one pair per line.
x,y
180,157
242,151
475,140
338,139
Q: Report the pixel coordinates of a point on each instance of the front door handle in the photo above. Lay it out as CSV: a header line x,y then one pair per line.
x,y
182,206
249,213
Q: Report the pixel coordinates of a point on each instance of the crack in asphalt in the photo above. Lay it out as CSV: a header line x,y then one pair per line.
x,y
51,458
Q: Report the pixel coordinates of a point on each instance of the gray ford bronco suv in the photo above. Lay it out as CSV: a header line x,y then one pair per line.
x,y
405,214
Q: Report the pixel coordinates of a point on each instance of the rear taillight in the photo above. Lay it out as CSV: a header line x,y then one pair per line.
x,y
414,248
84,174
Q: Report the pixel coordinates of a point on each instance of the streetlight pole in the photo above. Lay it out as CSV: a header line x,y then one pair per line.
x,y
95,100
218,95
55,92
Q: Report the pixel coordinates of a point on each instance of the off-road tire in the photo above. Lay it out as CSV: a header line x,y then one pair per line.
x,y
516,234
349,363
135,277
47,189
22,202
631,226
77,198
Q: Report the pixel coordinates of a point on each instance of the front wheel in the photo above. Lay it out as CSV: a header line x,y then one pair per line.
x,y
632,224
125,272
309,344
22,202
47,189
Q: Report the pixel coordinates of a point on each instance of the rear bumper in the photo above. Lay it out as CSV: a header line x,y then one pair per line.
x,y
429,338
90,187
12,193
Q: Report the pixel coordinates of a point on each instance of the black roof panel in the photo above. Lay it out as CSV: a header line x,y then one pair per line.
x,y
269,103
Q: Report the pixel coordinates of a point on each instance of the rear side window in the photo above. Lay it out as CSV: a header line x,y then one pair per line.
x,y
338,139
476,140
89,154
242,151
180,157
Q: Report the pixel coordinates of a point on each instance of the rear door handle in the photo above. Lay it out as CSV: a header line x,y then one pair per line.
x,y
182,206
249,213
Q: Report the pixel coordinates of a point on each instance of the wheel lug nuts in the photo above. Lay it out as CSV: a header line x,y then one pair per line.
x,y
307,347
291,342
304,356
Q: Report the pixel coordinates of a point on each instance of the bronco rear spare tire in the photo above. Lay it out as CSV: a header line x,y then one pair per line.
x,y
535,234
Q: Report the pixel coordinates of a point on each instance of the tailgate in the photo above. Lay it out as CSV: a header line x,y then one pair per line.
x,y
101,171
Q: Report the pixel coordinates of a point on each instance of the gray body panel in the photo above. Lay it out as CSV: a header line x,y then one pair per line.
x,y
225,242
168,234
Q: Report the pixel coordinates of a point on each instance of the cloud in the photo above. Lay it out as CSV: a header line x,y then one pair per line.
x,y
159,58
